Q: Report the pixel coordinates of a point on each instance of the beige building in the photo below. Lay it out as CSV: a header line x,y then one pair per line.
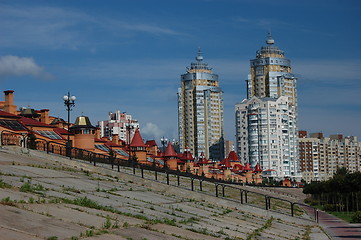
x,y
200,112
321,156
267,121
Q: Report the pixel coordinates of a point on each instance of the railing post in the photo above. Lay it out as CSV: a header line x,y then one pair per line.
x,y
245,197
269,202
292,210
142,171
94,160
223,186
118,166
133,168
216,189
155,174
200,185
178,178
167,178
266,200
192,184
241,191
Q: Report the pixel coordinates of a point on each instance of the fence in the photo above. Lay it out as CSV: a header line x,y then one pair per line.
x,y
230,190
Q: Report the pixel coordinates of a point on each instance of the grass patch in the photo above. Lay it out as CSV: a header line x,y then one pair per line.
x,y
28,187
4,184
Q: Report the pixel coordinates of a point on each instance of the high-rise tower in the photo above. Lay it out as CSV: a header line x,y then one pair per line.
x,y
200,111
266,122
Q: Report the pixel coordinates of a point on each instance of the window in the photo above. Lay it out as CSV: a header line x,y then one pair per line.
x,y
49,134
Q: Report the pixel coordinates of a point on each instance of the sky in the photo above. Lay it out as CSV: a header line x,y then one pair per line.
x,y
129,55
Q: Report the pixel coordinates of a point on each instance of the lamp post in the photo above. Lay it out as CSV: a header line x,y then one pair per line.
x,y
129,127
164,141
69,102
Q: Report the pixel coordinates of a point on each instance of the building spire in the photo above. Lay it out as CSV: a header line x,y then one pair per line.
x,y
270,40
199,57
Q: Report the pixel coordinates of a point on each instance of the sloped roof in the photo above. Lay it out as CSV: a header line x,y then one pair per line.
x,y
225,163
257,168
169,152
9,115
186,156
202,159
151,143
247,167
232,156
137,140
31,122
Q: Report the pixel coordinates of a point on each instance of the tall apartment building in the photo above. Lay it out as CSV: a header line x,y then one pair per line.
x,y
200,111
266,122
117,124
320,156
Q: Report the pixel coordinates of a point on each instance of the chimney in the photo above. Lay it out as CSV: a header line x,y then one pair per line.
x,y
115,138
9,102
44,116
97,133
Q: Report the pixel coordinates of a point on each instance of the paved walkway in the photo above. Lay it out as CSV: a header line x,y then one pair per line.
x,y
335,227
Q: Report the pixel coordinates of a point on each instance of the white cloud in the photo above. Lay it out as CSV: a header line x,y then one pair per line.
x,y
151,131
21,66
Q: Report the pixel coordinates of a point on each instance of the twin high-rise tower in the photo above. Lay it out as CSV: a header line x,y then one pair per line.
x,y
200,111
266,122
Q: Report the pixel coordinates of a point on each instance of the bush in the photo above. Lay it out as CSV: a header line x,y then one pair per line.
x,y
356,217
329,207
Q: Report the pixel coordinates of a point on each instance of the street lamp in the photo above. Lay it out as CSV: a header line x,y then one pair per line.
x,y
69,102
164,141
129,127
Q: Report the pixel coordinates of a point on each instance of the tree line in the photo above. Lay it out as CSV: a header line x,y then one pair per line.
x,y
341,193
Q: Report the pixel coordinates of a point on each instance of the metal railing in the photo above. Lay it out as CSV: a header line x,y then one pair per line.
x,y
218,188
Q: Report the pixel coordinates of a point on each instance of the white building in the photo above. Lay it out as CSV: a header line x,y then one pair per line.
x,y
200,112
118,123
266,122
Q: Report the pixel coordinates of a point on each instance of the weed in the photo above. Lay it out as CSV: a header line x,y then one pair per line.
x,y
52,238
125,224
4,184
107,223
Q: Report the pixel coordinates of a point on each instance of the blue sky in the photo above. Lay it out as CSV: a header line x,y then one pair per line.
x,y
129,55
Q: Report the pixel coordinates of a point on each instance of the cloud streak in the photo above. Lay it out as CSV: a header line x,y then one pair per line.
x,y
21,66
56,28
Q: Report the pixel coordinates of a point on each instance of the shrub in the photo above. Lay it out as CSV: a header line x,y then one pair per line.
x,y
356,217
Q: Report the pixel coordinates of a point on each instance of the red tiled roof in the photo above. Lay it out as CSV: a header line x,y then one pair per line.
x,y
151,143
258,168
6,114
186,156
31,122
202,159
137,140
225,163
247,167
169,152
232,156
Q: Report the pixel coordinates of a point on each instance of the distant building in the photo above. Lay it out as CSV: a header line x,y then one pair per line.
x,y
320,156
266,122
117,125
200,112
228,147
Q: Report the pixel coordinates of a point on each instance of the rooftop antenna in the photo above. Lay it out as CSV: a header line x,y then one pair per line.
x,y
199,57
270,40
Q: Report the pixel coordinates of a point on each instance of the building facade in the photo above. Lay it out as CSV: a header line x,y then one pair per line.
x,y
266,122
320,156
200,111
119,123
